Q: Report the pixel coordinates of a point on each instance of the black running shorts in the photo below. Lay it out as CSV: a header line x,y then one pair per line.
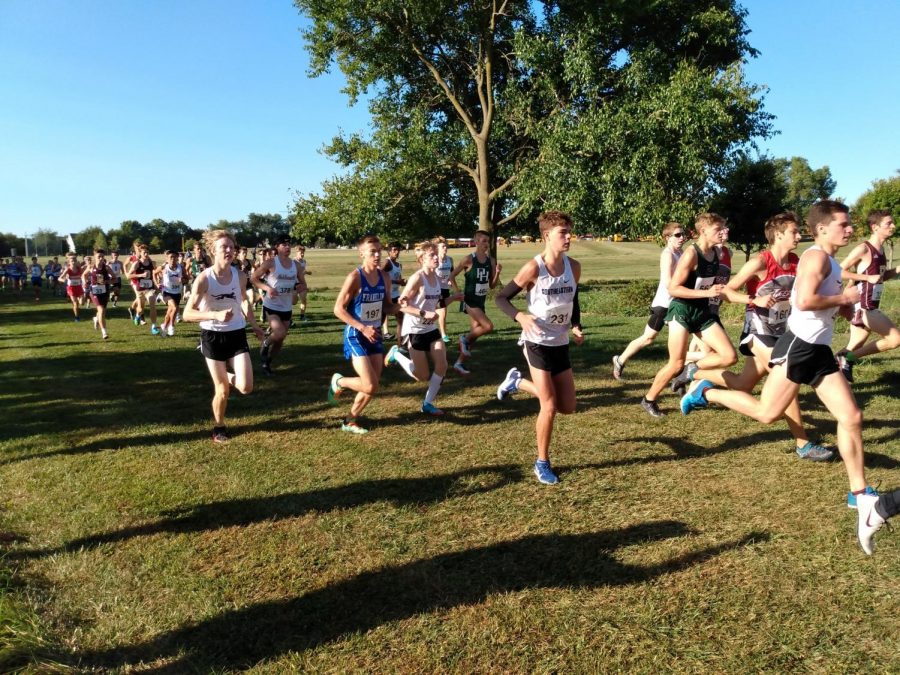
x,y
223,345
555,360
657,318
284,316
806,363
421,342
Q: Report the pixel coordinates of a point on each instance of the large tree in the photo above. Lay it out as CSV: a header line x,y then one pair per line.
x,y
618,110
884,194
804,185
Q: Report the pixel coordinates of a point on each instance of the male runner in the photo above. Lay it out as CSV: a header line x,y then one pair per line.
x,y
481,273
803,356
117,269
871,272
170,279
550,280
37,278
216,302
300,259
394,269
72,276
279,277
97,279
444,272
691,287
362,302
674,236
141,276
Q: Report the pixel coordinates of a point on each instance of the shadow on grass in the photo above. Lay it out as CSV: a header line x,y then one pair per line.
x,y
243,512
244,637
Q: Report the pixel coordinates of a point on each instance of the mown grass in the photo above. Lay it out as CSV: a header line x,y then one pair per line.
x,y
132,543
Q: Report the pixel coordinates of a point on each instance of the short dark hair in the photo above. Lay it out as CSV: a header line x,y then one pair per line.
x,y
877,215
821,212
283,239
550,219
779,223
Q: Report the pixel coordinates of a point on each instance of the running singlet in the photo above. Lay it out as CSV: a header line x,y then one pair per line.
x,y
171,280
115,267
550,301
221,296
816,325
778,282
283,280
662,297
870,294
36,272
12,270
367,305
144,283
395,274
702,278
426,299
99,279
722,277
478,281
74,276
445,268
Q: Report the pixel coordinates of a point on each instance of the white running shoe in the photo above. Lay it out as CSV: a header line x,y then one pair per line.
x,y
170,331
461,369
510,384
869,521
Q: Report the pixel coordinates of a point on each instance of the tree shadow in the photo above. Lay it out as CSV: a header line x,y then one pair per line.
x,y
244,637
243,512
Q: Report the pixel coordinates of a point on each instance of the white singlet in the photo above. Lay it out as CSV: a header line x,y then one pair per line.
x,y
662,297
550,301
426,299
222,296
816,325
283,280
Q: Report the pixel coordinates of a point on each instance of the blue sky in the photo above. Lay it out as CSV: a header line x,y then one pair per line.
x,y
125,109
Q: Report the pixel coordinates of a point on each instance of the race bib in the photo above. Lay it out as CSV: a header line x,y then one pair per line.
x,y
284,290
98,289
560,315
877,289
778,313
481,289
145,283
73,282
174,289
370,311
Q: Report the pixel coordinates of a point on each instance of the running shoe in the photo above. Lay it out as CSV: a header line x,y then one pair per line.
x,y
334,391
461,369
178,318
652,408
115,303
815,452
154,330
544,473
219,435
431,409
352,427
445,339
388,336
851,498
105,335
683,379
77,319
304,318
464,346
391,357
264,350
171,331
696,397
510,384
870,521
846,365
136,320
618,368
143,320
96,324
266,366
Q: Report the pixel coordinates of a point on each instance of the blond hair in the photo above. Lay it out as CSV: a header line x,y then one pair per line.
x,y
210,237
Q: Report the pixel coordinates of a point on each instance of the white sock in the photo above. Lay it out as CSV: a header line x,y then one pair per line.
x,y
434,385
406,363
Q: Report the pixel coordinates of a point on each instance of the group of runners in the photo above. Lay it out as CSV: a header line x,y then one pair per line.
x,y
791,303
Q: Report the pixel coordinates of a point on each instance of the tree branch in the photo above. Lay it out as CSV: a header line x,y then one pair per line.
x,y
511,216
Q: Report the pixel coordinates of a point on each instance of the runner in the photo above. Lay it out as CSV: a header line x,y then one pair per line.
x,y
170,279
481,274
363,301
871,272
72,276
550,280
37,278
52,272
216,302
117,269
698,349
134,309
444,272
691,287
15,274
419,301
245,265
142,276
674,236
279,278
769,278
97,280
4,264
300,259
394,269
803,355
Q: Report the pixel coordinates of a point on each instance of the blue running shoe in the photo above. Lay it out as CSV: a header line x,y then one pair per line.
x,y
696,398
391,357
510,384
544,473
464,346
431,409
154,330
445,339
815,453
851,498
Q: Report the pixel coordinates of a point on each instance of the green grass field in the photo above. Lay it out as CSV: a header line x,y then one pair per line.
x,y
131,543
